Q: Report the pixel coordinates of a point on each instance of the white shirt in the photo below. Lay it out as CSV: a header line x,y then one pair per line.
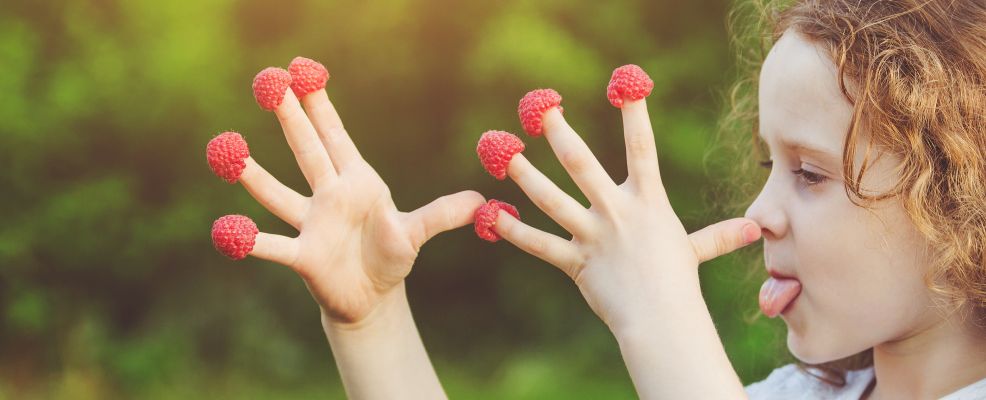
x,y
789,382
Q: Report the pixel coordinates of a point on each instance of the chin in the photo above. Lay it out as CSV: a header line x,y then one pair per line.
x,y
815,352
804,353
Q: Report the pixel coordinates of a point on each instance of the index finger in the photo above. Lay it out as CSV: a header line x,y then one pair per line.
x,y
272,91
577,159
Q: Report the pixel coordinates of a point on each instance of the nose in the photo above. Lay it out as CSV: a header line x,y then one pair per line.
x,y
768,211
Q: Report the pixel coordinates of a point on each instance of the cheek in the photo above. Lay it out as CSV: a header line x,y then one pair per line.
x,y
840,311
862,282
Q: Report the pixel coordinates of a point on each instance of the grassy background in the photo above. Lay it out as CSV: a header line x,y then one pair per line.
x,y
110,287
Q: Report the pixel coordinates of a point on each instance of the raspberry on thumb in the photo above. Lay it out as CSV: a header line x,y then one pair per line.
x,y
225,154
495,150
307,76
533,106
628,82
269,87
485,218
234,235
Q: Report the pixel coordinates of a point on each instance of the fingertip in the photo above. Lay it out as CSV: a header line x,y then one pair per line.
x,y
464,206
532,107
628,82
502,216
506,212
751,232
487,217
473,198
234,235
307,76
496,149
269,86
226,154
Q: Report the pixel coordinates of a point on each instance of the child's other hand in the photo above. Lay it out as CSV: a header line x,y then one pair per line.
x,y
629,254
354,247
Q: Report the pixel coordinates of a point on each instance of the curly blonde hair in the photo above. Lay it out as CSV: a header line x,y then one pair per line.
x,y
914,73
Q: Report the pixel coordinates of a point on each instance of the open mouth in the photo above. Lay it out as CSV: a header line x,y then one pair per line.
x,y
777,293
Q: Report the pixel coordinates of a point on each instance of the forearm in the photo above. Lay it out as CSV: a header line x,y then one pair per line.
x,y
382,357
673,351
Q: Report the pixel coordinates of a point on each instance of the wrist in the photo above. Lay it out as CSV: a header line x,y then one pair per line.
x,y
669,302
674,350
392,305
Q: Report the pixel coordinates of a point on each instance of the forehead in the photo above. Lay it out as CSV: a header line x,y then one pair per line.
x,y
800,100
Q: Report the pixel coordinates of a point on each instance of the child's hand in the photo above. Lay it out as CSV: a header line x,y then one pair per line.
x,y
354,246
629,251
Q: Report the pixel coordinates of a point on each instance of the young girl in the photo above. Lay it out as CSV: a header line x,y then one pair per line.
x,y
873,218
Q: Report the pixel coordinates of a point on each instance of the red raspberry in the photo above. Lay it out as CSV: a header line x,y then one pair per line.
x,y
269,87
533,106
485,218
495,150
307,76
226,153
234,235
628,82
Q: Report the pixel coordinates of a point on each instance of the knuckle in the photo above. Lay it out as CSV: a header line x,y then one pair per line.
x,y
323,107
538,247
298,265
290,114
721,243
335,134
271,201
448,212
639,145
319,177
551,204
575,162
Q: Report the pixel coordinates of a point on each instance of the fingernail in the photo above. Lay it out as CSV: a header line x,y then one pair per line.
x,y
751,233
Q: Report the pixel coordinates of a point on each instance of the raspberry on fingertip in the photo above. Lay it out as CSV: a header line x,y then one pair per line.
x,y
485,218
628,82
226,154
496,149
234,236
307,76
532,107
269,87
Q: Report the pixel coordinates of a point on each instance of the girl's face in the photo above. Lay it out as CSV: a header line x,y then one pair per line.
x,y
861,271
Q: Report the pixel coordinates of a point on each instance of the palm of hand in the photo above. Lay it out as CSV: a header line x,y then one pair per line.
x,y
353,246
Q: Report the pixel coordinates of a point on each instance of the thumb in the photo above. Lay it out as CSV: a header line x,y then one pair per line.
x,y
723,237
445,213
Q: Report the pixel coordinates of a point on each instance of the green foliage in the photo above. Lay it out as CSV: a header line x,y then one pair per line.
x,y
110,287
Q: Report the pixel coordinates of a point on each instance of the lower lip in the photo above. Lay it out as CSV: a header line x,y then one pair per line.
x,y
790,304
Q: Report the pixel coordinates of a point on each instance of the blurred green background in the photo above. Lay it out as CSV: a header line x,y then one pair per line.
x,y
110,287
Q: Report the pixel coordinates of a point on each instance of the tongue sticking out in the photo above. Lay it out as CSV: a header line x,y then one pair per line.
x,y
777,293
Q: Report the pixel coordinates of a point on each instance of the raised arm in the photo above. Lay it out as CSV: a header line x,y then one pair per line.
x,y
629,254
353,248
